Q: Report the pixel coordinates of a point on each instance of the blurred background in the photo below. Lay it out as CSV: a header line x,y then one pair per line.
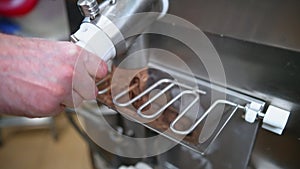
x,y
44,143
35,147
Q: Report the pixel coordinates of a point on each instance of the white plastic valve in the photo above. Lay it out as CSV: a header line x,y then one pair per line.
x,y
275,119
93,39
251,111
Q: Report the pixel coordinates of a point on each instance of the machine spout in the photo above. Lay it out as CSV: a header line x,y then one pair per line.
x,y
107,28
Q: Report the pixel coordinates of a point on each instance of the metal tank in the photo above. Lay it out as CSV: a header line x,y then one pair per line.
x,y
258,43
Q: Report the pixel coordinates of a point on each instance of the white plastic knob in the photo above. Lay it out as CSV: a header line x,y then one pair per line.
x,y
275,119
93,39
250,115
251,111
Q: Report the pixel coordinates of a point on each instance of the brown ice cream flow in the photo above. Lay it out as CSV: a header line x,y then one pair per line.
x,y
138,84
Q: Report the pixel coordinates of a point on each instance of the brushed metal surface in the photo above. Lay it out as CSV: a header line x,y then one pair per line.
x,y
258,43
271,22
263,72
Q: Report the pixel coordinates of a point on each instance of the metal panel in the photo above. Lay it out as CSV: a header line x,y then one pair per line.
x,y
271,22
258,43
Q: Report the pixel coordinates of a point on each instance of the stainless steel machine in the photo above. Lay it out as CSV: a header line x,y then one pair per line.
x,y
246,120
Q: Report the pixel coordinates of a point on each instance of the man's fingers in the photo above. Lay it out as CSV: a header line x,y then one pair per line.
x,y
95,66
83,83
73,100
86,68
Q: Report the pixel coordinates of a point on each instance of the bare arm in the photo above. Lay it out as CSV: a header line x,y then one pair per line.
x,y
40,77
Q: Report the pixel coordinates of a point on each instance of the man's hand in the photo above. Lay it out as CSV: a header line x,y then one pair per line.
x,y
40,77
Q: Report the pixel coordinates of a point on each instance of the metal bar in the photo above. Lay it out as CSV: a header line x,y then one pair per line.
x,y
120,95
223,126
167,105
189,87
176,98
104,90
185,132
172,83
105,79
115,99
139,111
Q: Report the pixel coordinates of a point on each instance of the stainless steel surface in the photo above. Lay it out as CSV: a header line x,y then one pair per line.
x,y
135,52
115,21
258,43
23,121
45,122
260,71
257,70
120,13
89,8
271,22
120,19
